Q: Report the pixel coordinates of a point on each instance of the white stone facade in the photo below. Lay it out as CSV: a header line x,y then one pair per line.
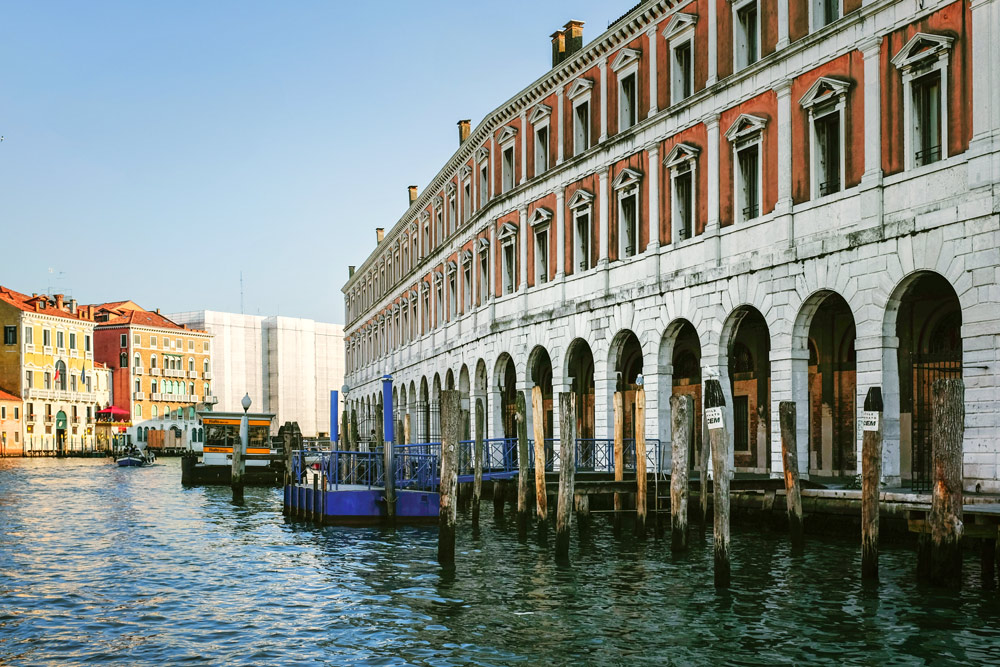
x,y
868,244
287,365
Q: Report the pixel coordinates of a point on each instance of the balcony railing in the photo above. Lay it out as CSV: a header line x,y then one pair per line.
x,y
193,375
210,400
139,396
207,375
154,371
138,370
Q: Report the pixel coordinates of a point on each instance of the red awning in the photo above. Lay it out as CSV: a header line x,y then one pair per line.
x,y
114,411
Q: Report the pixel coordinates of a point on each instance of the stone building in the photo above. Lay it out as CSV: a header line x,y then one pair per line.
x,y
799,198
288,365
10,425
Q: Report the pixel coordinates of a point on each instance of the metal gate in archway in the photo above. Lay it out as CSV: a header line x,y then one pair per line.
x,y
927,368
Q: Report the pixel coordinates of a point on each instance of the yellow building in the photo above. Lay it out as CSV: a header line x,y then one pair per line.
x,y
47,358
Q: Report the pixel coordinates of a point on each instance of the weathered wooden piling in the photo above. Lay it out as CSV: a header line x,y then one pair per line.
x,y
451,427
641,480
619,455
718,440
538,425
582,503
790,459
567,473
704,459
499,490
239,465
523,483
477,463
681,430
871,476
943,550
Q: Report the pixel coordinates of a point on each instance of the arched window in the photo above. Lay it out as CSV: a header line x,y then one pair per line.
x,y
138,411
208,389
205,365
136,362
60,376
166,413
191,389
190,363
153,412
191,408
152,386
152,361
123,360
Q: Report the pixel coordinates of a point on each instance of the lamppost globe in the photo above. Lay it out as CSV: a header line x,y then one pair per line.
x,y
246,402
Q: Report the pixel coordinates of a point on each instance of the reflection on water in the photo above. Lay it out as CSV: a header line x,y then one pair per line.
x,y
103,564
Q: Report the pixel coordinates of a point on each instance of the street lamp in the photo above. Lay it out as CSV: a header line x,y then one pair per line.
x,y
246,402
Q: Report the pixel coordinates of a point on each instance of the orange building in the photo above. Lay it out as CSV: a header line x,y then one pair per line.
x,y
10,425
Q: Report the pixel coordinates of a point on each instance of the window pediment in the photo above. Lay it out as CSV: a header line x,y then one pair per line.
x,y
626,178
465,172
438,202
745,126
404,302
678,23
482,154
451,267
539,113
508,232
395,307
438,276
507,134
580,87
449,189
824,89
679,154
425,216
921,49
425,286
466,256
413,294
581,199
413,227
540,218
625,58
483,244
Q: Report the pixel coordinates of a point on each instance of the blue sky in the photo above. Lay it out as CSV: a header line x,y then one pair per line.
x,y
153,150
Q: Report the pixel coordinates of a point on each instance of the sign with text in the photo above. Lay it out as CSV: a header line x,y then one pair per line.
x,y
713,418
869,420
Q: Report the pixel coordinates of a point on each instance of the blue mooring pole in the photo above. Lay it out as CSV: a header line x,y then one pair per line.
x,y
389,458
334,418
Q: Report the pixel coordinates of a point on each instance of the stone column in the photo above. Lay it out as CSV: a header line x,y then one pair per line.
x,y
877,366
984,167
522,268
712,225
789,382
783,208
871,180
653,70
713,48
560,124
524,146
653,213
603,237
559,238
603,67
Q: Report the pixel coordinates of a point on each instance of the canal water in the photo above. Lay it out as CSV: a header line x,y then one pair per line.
x,y
106,565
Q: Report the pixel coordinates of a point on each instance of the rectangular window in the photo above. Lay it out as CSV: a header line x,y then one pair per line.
x,y
452,214
484,278
628,225
748,182
16,416
124,340
29,379
72,341
484,186
541,150
466,201
627,102
47,337
542,257
683,200
48,380
827,162
152,341
72,383
508,169
467,288
581,128
136,340
3,412
438,306
683,78
927,119
825,12
204,346
741,423
29,335
86,343
746,31
452,297
190,346
60,339
508,268
10,335
583,240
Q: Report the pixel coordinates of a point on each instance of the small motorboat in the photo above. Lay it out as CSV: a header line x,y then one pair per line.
x,y
134,457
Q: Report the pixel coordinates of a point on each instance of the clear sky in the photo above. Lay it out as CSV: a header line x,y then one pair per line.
x,y
154,150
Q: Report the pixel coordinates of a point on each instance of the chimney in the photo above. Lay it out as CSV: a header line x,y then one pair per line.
x,y
464,127
350,271
72,306
59,301
157,311
558,47
413,193
379,235
574,37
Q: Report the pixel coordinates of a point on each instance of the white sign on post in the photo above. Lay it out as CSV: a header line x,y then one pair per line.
x,y
869,420
713,418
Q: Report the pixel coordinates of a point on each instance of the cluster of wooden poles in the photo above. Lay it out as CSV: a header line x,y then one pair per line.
x,y
939,553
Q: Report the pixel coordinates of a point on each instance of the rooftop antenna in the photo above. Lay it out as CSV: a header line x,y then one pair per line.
x,y
241,293
58,276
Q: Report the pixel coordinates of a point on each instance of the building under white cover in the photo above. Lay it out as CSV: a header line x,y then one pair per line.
x,y
288,365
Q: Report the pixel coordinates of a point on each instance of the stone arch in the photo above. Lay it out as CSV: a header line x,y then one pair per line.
x,y
625,365
435,407
505,388
539,374
679,372
465,389
482,384
923,316
745,375
424,412
580,376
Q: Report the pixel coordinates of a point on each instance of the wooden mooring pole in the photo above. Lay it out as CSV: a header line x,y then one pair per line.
x,y
239,465
538,425
619,457
451,427
523,483
681,430
477,484
641,479
704,461
941,548
871,479
718,440
790,459
567,473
